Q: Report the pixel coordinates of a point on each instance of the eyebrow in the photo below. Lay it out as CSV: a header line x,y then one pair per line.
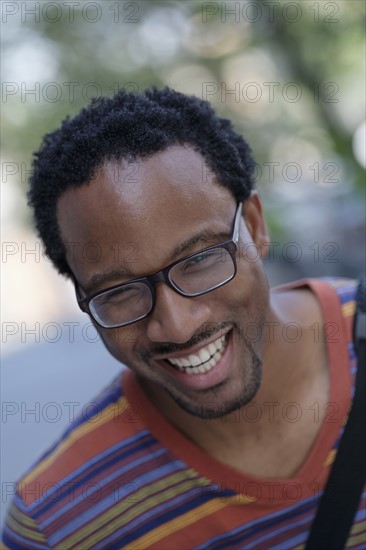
x,y
100,279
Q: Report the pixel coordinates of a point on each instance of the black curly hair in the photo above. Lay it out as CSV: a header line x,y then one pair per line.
x,y
132,126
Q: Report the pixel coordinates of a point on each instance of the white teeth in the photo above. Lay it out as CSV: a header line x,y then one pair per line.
x,y
206,358
194,360
217,356
204,355
211,348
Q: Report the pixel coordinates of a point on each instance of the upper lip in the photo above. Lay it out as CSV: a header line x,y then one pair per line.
x,y
192,350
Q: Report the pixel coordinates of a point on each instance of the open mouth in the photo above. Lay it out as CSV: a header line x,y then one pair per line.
x,y
204,360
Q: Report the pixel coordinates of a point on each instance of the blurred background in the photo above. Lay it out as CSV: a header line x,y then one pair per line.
x,y
291,76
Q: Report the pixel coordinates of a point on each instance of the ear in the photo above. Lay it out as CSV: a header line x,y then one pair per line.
x,y
255,223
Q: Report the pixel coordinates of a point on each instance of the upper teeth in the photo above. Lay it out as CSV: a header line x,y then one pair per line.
x,y
202,356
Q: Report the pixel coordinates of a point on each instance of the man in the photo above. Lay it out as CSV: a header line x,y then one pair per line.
x,y
222,431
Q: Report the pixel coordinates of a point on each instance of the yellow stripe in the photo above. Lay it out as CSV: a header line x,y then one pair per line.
x,y
149,500
353,541
349,308
119,522
357,528
108,413
240,499
24,531
123,518
330,458
176,524
19,516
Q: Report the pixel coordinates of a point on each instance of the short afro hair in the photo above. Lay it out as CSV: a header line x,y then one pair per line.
x,y
131,126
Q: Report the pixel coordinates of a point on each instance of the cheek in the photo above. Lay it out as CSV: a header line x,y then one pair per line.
x,y
250,289
120,342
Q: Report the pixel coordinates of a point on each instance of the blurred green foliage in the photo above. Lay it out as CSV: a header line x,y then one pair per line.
x,y
289,74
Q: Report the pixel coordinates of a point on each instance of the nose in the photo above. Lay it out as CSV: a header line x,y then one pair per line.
x,y
175,318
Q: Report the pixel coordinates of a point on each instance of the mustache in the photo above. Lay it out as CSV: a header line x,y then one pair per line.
x,y
200,337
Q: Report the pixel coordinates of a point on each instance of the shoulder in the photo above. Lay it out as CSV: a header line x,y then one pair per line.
x,y
86,469
107,423
330,293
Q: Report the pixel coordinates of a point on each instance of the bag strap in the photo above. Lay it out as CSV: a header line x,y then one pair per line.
x,y
339,502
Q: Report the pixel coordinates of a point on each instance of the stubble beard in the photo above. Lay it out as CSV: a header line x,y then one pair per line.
x,y
215,407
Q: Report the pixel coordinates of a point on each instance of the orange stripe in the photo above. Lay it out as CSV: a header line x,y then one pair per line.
x,y
181,522
77,434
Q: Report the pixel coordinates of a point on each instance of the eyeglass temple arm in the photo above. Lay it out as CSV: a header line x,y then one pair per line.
x,y
236,230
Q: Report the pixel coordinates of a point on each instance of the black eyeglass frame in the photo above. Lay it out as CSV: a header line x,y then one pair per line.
x,y
150,281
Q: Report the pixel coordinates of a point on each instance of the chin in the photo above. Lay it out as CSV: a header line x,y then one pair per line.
x,y
213,403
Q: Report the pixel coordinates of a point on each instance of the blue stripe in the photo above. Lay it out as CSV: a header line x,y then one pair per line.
x,y
25,543
273,533
69,478
147,515
99,504
91,515
268,522
152,524
88,476
116,496
257,525
109,395
288,544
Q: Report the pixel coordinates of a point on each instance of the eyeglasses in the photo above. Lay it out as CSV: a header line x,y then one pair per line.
x,y
192,276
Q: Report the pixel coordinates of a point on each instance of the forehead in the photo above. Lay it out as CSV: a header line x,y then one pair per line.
x,y
152,203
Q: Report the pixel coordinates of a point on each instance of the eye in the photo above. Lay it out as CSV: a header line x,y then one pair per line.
x,y
196,260
119,292
117,296
202,261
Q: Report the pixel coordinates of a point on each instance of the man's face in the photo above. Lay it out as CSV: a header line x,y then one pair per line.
x,y
131,220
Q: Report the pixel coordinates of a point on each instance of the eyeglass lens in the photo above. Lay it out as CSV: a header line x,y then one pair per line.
x,y
193,276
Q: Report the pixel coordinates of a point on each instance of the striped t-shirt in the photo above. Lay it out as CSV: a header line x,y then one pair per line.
x,y
124,477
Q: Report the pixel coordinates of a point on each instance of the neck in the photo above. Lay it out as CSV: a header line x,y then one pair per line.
x,y
291,374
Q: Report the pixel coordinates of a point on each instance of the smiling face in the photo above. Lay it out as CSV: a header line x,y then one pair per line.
x,y
134,219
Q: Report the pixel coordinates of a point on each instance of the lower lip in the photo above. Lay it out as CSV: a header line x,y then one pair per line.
x,y
208,379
